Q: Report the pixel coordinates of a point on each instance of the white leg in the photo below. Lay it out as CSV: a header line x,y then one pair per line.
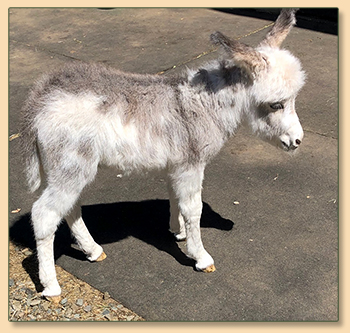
x,y
47,272
187,185
46,215
47,212
85,241
177,223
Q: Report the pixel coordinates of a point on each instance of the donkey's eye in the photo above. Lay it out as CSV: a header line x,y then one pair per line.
x,y
276,106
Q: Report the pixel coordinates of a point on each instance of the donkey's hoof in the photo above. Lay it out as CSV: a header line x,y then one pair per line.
x,y
53,299
103,256
209,269
180,237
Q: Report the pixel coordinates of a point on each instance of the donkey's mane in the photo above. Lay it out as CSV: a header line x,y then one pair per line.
x,y
218,75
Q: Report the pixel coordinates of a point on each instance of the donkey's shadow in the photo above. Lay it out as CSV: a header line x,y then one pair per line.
x,y
110,223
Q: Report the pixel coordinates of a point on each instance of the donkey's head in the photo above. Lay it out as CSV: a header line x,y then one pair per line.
x,y
276,77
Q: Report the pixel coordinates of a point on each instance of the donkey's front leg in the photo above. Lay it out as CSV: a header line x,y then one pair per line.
x,y
188,187
191,208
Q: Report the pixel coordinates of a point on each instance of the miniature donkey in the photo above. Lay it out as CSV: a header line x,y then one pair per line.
x,y
86,115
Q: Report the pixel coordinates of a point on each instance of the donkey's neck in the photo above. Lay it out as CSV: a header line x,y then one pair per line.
x,y
221,90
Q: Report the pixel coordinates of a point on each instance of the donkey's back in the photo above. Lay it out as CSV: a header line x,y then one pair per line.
x,y
87,114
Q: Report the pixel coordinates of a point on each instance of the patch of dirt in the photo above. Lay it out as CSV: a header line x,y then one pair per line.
x,y
79,301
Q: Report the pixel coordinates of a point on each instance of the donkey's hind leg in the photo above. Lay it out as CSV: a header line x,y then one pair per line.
x,y
56,202
47,212
85,241
177,223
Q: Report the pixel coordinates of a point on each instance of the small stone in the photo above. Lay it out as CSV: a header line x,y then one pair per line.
x,y
106,295
108,316
76,316
64,301
58,311
16,305
17,297
20,314
87,308
68,312
35,302
130,318
11,282
105,312
35,309
28,291
45,306
79,302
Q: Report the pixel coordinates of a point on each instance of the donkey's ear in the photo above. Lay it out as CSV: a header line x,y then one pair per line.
x,y
243,55
284,23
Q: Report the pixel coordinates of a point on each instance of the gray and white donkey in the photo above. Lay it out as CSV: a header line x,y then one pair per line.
x,y
86,115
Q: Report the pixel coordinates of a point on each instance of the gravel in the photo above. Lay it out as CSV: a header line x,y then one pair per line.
x,y
79,302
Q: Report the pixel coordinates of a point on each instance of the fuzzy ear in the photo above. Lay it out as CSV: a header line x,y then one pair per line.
x,y
284,23
243,55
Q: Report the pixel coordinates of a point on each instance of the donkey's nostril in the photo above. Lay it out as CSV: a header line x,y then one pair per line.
x,y
285,145
297,141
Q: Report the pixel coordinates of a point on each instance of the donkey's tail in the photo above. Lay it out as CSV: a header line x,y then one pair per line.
x,y
33,168
30,155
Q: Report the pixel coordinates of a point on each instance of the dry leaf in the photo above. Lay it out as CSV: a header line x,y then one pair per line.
x,y
14,136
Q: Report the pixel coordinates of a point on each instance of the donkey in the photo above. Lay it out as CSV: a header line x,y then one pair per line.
x,y
86,115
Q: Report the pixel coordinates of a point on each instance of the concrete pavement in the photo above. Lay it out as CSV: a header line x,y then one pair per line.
x,y
276,252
